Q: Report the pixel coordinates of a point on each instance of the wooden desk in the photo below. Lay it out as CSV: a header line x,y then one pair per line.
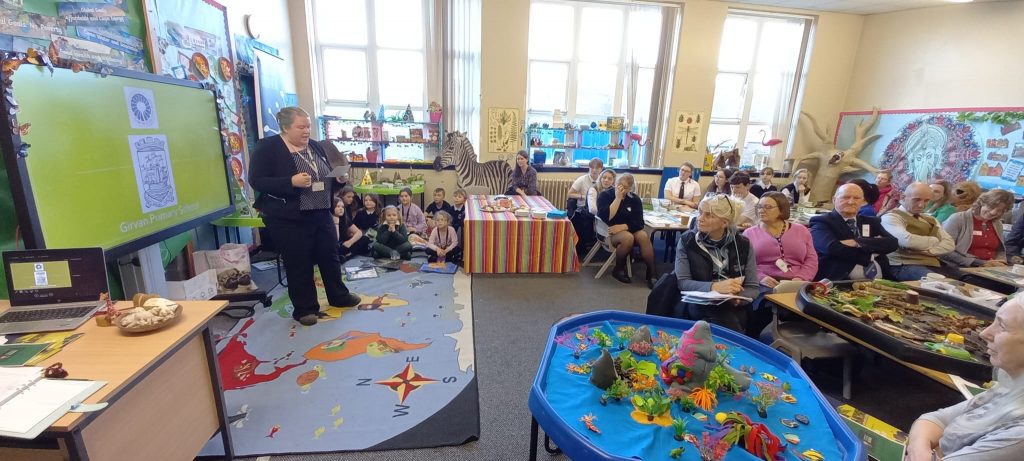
x,y
163,390
1002,276
788,301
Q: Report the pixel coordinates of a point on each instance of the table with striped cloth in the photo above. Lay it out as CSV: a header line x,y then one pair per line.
x,y
496,243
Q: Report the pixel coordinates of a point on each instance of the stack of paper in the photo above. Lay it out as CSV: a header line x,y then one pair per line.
x,y
709,297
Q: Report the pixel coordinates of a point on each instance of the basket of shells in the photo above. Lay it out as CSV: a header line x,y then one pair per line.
x,y
149,313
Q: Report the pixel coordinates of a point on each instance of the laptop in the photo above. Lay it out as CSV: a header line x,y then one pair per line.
x,y
52,290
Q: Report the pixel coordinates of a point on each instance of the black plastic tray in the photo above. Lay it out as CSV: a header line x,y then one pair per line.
x,y
901,349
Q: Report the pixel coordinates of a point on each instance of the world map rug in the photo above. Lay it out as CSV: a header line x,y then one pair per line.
x,y
395,372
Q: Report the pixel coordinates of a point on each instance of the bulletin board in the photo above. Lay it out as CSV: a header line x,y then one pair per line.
x,y
984,144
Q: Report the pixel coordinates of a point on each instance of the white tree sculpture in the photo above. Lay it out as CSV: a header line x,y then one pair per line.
x,y
832,162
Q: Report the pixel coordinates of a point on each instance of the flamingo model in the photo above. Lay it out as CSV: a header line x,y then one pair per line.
x,y
770,142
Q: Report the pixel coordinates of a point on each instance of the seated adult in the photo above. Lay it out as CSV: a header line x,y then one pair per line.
x,y
715,257
578,189
799,192
941,206
683,190
720,183
1015,242
870,195
739,183
603,183
921,238
850,246
888,195
989,426
764,183
978,232
524,177
623,211
784,250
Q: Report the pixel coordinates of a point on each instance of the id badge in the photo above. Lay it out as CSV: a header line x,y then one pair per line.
x,y
318,186
976,233
865,230
781,264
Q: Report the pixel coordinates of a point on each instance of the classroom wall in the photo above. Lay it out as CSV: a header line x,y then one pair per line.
x,y
272,15
944,57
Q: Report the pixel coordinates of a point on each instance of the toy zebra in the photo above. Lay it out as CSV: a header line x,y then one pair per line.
x,y
496,175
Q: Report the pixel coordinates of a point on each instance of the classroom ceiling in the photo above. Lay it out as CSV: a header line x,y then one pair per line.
x,y
854,6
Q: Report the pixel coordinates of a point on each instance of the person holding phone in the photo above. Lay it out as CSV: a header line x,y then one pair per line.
x,y
623,211
716,257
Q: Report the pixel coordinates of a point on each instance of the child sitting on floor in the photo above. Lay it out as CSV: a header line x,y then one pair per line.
x,y
392,239
412,215
444,241
458,209
439,204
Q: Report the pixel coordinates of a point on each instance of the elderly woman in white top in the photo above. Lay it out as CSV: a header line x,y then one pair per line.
x,y
989,426
605,181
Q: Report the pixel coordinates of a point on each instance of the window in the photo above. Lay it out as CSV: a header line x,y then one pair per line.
x,y
592,61
373,53
759,71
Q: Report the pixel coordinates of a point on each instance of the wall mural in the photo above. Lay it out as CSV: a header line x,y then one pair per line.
x,y
984,144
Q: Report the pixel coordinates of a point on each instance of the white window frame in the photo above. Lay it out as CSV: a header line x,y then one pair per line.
x,y
784,126
431,87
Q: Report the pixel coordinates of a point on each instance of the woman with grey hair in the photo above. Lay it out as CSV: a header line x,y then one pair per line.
x,y
978,232
623,211
295,199
716,257
989,426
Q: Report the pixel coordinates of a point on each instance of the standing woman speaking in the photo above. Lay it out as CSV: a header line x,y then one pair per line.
x,y
295,198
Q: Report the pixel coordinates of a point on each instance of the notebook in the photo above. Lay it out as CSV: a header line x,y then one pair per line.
x,y
53,289
34,403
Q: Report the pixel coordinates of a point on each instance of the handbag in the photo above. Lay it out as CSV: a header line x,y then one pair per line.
x,y
664,296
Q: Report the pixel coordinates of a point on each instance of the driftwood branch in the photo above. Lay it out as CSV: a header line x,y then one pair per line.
x,y
861,139
822,135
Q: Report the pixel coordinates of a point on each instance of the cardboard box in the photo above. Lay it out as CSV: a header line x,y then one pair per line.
x,y
199,288
883,442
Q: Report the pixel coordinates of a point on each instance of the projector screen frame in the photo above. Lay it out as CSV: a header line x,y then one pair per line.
x,y
15,151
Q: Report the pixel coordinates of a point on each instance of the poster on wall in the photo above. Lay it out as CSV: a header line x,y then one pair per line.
x,y
503,129
101,33
189,39
271,94
686,130
983,144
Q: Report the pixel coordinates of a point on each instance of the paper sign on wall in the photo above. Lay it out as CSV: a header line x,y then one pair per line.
x,y
141,108
153,174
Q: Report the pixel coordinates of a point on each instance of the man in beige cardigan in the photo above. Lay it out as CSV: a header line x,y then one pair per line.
x,y
921,238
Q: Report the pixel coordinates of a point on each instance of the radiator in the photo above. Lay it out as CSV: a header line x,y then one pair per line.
x,y
557,190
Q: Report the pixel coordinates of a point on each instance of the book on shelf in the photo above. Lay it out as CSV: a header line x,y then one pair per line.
x,y
30,403
416,134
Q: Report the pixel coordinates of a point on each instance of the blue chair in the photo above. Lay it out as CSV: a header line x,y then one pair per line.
x,y
673,172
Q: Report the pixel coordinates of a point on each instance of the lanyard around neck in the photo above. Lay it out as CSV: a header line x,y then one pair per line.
x,y
311,161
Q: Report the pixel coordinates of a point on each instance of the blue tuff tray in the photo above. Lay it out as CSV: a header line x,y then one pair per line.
x,y
558,399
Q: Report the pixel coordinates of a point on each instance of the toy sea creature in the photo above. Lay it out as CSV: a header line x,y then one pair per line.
x,y
700,417
811,455
318,432
273,430
802,419
791,438
578,369
788,398
675,453
336,409
338,422
768,377
588,420
788,423
308,378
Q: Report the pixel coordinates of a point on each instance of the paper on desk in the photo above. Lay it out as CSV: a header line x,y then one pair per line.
x,y
709,297
33,410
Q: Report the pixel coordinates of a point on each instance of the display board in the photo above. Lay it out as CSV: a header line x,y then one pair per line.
x,y
121,161
983,144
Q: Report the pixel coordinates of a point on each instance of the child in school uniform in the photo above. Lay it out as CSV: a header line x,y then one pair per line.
x,y
351,240
369,217
439,204
392,239
458,209
444,241
412,215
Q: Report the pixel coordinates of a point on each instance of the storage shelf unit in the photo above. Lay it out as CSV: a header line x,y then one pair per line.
x,y
379,141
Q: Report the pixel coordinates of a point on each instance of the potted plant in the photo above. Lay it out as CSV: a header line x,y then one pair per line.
x,y
434,110
768,394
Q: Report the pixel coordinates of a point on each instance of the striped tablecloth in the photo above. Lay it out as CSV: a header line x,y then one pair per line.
x,y
496,243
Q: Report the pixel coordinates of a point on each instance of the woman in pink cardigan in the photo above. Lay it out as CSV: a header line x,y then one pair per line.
x,y
784,250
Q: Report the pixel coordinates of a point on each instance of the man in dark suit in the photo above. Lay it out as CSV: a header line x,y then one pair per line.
x,y
847,243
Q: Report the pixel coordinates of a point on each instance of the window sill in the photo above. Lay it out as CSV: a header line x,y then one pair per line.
x,y
404,165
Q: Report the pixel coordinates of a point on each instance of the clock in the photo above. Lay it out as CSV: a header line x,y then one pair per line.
x,y
253,26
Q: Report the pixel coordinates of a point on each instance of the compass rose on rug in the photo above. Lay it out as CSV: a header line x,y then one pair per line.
x,y
405,382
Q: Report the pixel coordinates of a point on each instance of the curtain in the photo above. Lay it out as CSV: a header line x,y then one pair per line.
x,y
661,99
461,74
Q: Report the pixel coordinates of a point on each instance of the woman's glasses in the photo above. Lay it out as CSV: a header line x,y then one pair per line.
x,y
765,207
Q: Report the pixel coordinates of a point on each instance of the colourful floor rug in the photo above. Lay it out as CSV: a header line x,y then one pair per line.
x,y
396,372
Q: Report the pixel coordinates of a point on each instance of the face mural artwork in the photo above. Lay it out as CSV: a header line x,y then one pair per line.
x,y
924,151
